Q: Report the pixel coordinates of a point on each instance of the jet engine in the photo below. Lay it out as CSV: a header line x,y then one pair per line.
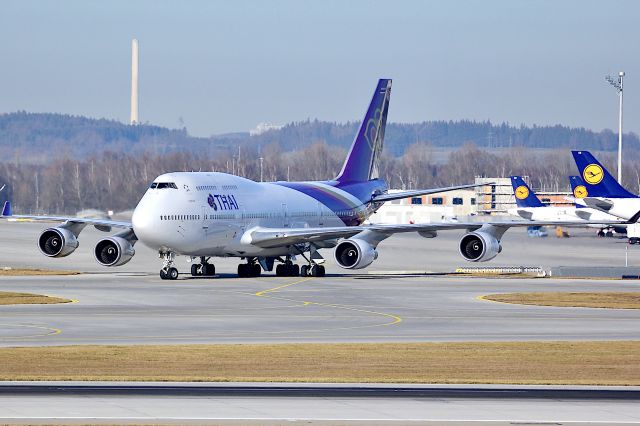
x,y
113,251
57,242
479,246
355,254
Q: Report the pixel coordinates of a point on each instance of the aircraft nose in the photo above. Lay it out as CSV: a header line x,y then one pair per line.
x,y
142,221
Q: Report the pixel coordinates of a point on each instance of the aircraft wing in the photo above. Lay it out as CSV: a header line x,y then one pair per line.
x,y
104,223
277,237
418,192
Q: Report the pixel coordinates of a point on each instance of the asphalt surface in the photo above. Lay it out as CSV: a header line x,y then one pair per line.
x,y
402,297
237,403
132,305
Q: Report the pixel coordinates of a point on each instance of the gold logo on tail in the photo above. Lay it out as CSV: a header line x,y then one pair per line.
x,y
580,191
593,174
522,192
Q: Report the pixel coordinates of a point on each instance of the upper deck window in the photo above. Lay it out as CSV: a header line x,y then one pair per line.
x,y
163,185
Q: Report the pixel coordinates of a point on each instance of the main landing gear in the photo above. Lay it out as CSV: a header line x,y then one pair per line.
x,y
287,269
312,270
168,271
203,269
251,269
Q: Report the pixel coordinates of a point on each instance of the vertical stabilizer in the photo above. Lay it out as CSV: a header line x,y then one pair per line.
x,y
363,160
597,180
525,197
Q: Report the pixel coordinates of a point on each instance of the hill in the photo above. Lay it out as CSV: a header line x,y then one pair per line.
x,y
42,137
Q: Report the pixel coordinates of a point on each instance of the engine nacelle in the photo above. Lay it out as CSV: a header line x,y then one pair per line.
x,y
355,254
57,242
479,247
113,251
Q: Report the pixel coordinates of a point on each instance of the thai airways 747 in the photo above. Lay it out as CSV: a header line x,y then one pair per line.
x,y
206,214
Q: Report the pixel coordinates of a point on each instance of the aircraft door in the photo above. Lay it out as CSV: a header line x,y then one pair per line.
x,y
285,216
205,220
319,213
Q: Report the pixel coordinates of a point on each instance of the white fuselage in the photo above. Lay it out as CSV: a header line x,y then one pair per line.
x,y
562,214
623,208
206,214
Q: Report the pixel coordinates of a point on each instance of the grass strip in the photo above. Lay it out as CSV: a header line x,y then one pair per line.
x,y
13,272
611,300
582,363
11,298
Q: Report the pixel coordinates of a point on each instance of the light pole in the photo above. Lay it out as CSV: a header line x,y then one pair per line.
x,y
261,168
618,85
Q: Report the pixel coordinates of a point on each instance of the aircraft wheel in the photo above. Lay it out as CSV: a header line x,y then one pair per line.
x,y
280,270
304,270
172,274
242,270
209,270
295,270
256,270
321,271
194,270
163,274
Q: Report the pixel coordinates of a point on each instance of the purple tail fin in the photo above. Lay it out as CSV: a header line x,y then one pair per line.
x,y
362,162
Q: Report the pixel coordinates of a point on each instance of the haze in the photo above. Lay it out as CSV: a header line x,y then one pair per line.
x,y
219,67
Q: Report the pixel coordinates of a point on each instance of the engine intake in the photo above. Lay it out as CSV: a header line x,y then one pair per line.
x,y
113,251
479,247
57,242
355,254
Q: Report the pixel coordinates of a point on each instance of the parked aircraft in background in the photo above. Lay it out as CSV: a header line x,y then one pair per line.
x,y
529,206
602,191
579,191
206,214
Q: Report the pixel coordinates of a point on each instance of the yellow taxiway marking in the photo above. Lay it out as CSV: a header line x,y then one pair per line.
x,y
51,331
395,319
274,289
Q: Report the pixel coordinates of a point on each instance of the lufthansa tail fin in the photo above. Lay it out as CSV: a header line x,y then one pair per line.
x,y
525,197
6,209
363,160
578,188
598,182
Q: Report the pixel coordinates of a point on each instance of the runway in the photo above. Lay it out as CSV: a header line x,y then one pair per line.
x,y
242,403
132,305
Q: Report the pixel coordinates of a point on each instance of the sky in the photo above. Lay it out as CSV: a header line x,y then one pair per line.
x,y
225,66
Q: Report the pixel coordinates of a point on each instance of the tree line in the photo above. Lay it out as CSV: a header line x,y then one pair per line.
x,y
116,181
40,137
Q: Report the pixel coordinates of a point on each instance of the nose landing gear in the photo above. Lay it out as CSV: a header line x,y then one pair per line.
x,y
168,271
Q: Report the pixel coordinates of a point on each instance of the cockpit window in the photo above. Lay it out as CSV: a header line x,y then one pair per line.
x,y
163,185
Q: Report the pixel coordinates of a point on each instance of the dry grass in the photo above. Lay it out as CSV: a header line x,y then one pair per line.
x,y
10,298
13,272
612,300
596,363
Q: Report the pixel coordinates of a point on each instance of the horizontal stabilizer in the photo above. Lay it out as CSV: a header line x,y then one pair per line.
x,y
598,203
408,194
6,210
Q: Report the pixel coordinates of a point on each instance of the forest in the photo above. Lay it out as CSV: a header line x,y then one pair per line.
x,y
84,163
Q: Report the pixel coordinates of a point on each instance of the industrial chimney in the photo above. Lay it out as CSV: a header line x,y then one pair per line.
x,y
134,81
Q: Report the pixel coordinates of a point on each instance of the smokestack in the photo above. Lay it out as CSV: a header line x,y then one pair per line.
x,y
134,81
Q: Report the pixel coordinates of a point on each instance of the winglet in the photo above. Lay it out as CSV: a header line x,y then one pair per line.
x,y
525,197
597,180
6,210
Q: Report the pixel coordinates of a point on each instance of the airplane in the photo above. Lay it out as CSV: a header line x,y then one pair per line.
x,y
530,207
579,191
602,191
210,214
